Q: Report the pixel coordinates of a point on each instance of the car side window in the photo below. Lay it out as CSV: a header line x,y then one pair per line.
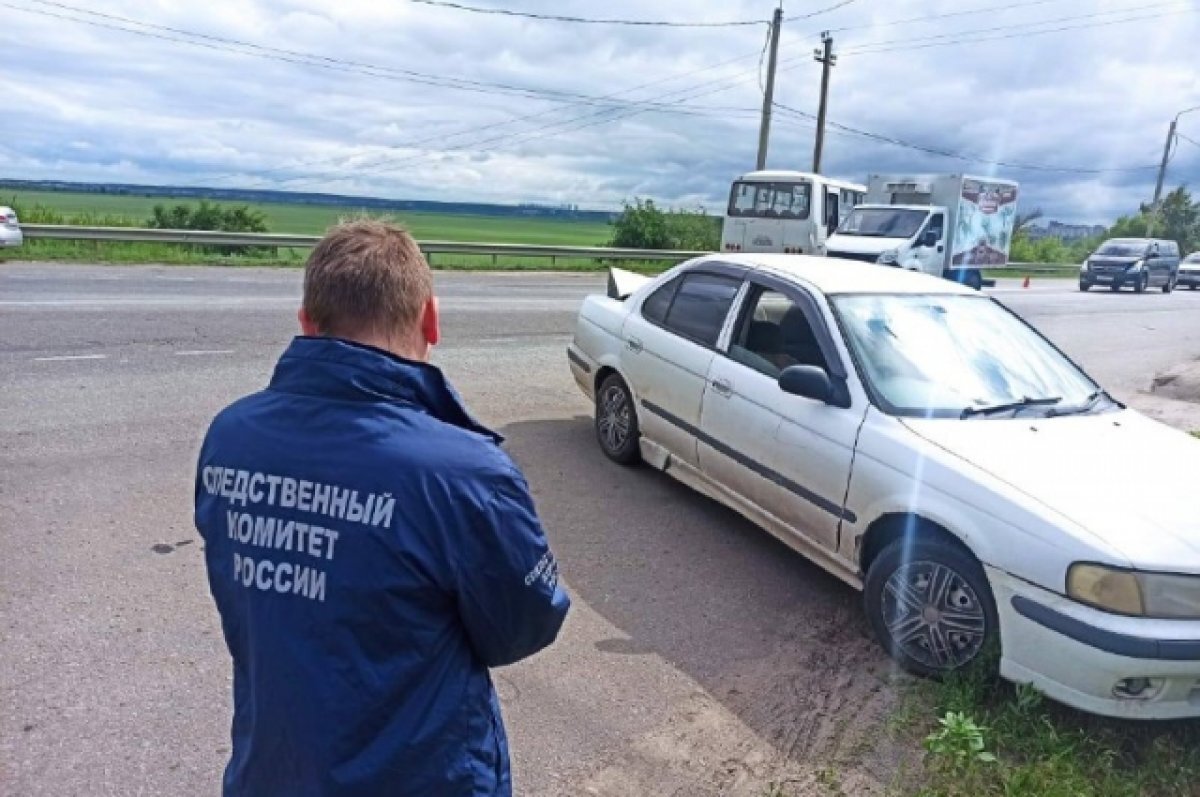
x,y
700,306
656,305
774,333
937,224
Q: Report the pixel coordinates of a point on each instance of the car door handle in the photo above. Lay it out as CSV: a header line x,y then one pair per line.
x,y
723,386
941,248
634,345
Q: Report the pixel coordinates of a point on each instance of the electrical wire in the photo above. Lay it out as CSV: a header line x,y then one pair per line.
x,y
1191,141
819,11
648,23
957,37
945,153
252,49
886,23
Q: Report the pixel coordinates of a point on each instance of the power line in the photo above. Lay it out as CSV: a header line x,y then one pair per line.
x,y
591,119
819,11
970,37
1191,141
945,153
648,23
943,15
252,49
345,159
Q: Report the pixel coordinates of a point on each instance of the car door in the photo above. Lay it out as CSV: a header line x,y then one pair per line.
x,y
669,345
788,455
931,245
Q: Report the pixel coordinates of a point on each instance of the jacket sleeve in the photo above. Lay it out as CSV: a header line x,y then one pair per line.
x,y
509,598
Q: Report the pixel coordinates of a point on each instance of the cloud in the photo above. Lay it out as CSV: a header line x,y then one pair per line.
x,y
88,103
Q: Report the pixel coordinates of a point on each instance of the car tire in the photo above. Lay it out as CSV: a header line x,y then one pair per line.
x,y
1085,286
1168,286
617,429
930,634
1142,284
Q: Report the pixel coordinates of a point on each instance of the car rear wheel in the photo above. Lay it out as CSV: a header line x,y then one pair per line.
x,y
1169,285
1085,286
616,421
930,606
1143,283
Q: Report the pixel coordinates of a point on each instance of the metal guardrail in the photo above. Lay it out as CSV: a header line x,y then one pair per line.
x,y
215,238
143,235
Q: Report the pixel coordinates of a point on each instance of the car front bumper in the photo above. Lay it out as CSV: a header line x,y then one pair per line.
x,y
1082,656
1118,278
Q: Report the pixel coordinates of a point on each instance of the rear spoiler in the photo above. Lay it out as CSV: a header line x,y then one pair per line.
x,y
622,283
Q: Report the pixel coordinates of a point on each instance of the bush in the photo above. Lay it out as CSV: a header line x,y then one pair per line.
x,y
643,225
211,216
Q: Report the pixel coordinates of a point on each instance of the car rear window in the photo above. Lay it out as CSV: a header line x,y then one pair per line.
x,y
700,306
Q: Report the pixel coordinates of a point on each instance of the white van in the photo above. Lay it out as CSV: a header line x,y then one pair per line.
x,y
786,211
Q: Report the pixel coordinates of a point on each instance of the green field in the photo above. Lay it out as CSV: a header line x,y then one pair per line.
x,y
315,219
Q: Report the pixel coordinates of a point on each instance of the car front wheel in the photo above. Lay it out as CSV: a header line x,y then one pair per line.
x,y
616,421
930,606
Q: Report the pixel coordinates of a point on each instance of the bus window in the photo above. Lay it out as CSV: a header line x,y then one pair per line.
x,y
770,200
832,218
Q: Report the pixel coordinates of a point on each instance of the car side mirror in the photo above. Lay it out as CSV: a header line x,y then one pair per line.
x,y
930,238
807,381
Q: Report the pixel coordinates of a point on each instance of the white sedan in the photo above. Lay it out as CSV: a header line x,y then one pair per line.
x,y
10,228
927,446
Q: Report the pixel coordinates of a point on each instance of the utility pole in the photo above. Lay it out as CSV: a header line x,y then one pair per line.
x,y
764,128
1162,167
827,59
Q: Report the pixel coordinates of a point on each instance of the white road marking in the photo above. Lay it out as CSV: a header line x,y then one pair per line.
x,y
66,357
200,352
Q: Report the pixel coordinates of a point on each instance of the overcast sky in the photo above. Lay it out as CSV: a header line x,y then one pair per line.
x,y
407,100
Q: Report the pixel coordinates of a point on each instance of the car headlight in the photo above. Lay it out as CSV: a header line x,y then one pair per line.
x,y
890,256
1085,265
1163,595
1137,266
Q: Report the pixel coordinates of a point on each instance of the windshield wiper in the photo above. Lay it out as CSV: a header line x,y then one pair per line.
x,y
1088,405
1012,406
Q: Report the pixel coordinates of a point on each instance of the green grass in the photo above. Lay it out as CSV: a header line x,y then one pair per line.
x,y
987,738
315,219
108,210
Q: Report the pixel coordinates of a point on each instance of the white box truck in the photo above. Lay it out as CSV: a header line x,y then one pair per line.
x,y
950,225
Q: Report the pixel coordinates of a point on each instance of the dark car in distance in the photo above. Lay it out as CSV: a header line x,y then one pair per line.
x,y
1138,263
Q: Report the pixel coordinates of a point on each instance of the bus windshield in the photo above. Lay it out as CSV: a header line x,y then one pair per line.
x,y
883,222
771,200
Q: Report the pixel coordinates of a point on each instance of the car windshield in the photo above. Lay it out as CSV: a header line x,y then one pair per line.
x,y
954,356
883,222
1122,248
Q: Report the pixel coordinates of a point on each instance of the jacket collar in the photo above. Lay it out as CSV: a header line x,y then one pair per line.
x,y
339,369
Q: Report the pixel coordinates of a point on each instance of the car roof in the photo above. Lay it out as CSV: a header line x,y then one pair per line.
x,y
832,275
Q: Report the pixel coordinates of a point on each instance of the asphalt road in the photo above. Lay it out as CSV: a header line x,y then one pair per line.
x,y
701,656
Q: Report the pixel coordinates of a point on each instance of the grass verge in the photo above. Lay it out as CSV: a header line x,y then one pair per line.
x,y
991,739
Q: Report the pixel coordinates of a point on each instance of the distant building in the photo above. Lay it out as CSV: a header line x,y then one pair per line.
x,y
1065,232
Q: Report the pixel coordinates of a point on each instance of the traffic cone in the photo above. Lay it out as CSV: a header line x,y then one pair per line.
x,y
1026,284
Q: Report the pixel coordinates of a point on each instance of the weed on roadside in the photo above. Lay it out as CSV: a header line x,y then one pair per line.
x,y
988,738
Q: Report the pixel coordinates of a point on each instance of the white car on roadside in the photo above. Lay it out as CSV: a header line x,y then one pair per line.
x,y
10,228
928,447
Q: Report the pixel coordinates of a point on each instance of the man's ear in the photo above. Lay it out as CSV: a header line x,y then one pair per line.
x,y
430,322
307,327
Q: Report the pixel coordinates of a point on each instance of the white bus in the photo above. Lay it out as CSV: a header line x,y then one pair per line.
x,y
784,211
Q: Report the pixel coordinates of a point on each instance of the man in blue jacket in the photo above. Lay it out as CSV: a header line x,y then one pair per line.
x,y
371,550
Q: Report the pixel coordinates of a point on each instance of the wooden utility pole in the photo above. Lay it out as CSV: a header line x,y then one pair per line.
x,y
764,127
827,59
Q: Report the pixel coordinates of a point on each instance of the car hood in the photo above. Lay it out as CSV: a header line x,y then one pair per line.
x,y
1127,480
862,244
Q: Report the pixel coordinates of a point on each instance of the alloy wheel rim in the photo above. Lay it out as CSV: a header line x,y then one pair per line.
x,y
933,615
615,421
